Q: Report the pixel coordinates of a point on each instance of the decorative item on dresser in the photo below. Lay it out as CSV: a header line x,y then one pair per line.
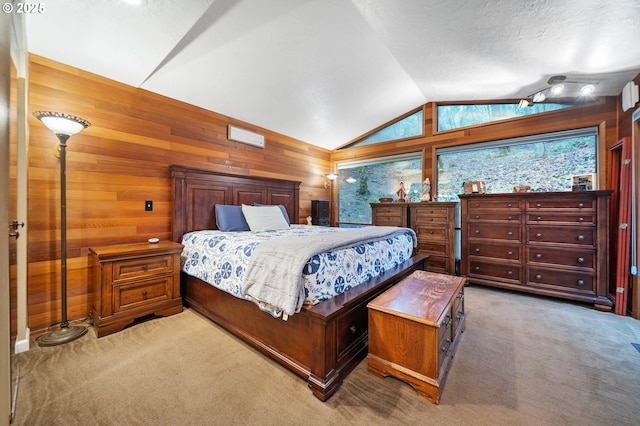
x,y
134,280
550,243
414,328
320,212
433,223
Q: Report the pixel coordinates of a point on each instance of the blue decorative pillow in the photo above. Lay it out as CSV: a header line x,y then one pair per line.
x,y
230,218
282,208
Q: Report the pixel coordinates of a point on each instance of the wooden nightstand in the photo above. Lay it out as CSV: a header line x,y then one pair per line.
x,y
134,280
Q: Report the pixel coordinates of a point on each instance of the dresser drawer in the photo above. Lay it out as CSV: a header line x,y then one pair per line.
x,y
583,258
142,267
490,230
141,293
566,203
502,251
439,264
494,205
430,247
588,218
575,280
562,235
426,233
503,271
508,216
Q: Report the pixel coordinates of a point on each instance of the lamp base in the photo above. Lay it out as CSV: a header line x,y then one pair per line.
x,y
60,336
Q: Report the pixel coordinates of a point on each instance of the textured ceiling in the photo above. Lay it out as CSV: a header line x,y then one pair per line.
x,y
327,71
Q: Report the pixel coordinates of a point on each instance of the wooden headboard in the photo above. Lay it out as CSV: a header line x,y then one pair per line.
x,y
197,191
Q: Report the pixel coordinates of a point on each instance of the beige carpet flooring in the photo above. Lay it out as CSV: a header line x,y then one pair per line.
x,y
523,360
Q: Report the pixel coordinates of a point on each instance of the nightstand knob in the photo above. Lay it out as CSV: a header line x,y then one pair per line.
x,y
477,231
581,219
477,250
580,282
580,205
477,216
509,205
510,233
580,237
539,218
538,255
510,253
477,268
581,260
509,273
538,277
538,205
352,329
510,217
538,235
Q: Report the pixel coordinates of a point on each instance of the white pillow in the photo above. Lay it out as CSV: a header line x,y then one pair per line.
x,y
264,218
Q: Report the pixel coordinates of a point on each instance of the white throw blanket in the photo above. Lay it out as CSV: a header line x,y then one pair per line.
x,y
274,273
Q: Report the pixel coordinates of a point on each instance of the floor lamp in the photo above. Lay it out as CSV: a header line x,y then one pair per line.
x,y
63,126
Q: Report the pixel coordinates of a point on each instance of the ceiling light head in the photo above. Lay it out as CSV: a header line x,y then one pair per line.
x,y
557,89
587,89
539,97
525,103
61,124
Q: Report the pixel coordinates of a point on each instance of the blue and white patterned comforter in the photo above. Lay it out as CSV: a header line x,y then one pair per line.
x,y
221,258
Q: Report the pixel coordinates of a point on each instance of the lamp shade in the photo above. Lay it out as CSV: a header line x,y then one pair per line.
x,y
61,124
331,176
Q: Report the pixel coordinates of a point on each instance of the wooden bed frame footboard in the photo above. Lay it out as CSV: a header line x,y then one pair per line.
x,y
322,343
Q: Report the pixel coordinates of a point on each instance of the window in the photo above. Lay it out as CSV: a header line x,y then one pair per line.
x,y
408,127
455,116
545,162
364,182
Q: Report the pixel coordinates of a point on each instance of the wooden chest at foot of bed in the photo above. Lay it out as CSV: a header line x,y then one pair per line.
x,y
130,281
414,328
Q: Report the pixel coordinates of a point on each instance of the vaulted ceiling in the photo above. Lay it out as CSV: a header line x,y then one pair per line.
x,y
328,71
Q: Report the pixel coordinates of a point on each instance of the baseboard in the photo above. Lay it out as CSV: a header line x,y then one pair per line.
x,y
23,345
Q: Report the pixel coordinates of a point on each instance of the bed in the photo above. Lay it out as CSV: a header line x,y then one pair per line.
x,y
322,342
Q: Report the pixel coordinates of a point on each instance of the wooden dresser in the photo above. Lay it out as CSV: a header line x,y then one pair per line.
x,y
414,328
550,243
434,225
134,280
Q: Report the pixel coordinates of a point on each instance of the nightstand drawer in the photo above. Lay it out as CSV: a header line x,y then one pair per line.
x,y
141,293
142,267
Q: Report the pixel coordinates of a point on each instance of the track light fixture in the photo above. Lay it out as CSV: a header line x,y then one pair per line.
x,y
557,85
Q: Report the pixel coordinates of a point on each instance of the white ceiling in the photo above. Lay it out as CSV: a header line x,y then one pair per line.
x,y
328,71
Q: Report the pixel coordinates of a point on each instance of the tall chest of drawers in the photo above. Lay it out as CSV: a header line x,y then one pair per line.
x,y
551,243
434,225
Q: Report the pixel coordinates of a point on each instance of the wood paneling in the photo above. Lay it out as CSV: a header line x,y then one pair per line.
x,y
119,162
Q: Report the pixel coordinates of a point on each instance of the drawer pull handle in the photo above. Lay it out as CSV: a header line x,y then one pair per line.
x,y
477,250
460,296
431,232
510,253
510,217
581,219
510,233
477,231
581,205
509,273
447,322
448,347
353,329
538,205
509,205
538,255
580,237
539,218
477,268
144,294
581,260
580,282
145,267
477,216
538,277
459,315
538,235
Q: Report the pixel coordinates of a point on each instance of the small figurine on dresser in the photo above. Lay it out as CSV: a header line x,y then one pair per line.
x,y
426,188
309,220
402,192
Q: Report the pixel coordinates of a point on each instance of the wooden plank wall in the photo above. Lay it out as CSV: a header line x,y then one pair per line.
x,y
121,161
